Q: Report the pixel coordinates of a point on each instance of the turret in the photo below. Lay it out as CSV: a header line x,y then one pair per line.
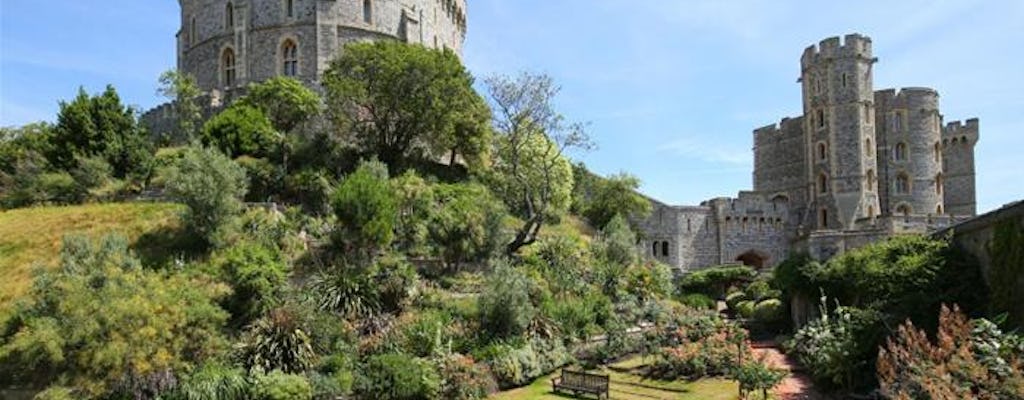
x,y
958,141
910,130
838,107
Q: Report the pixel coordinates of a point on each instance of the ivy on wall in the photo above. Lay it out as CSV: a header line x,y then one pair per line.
x,y
1007,276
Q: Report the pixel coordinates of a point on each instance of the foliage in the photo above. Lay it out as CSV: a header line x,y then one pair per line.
x,y
265,180
310,189
505,307
757,376
649,281
211,186
531,174
1007,275
462,378
284,100
734,298
769,310
56,393
563,262
405,102
467,223
839,347
181,89
698,301
968,360
387,285
745,308
89,324
241,130
278,341
615,251
516,364
257,276
213,381
702,348
100,126
715,280
615,195
278,385
366,208
398,377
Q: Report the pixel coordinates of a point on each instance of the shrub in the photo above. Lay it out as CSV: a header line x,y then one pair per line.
x,y
464,379
745,308
714,281
212,187
757,376
277,341
241,130
56,393
398,377
467,223
425,336
838,347
310,189
366,208
516,365
505,307
278,385
698,300
265,181
700,354
258,276
214,381
769,311
734,298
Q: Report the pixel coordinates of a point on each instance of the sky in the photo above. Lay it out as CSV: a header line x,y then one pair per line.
x,y
671,89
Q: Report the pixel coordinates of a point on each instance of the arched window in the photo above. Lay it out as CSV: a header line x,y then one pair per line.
x,y
368,11
290,58
654,249
938,184
897,121
938,210
822,151
871,212
900,152
902,184
192,31
823,218
869,147
904,210
871,180
289,8
228,67
821,118
664,249
229,16
822,184
938,152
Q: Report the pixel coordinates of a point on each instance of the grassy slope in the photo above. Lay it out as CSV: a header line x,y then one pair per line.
x,y
627,386
32,236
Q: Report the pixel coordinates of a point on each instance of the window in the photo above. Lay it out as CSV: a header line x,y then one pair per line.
x,y
900,152
844,79
869,147
654,249
289,8
823,218
871,212
664,249
897,121
904,210
290,58
821,118
229,16
938,152
871,180
867,113
228,66
822,184
192,31
822,152
938,210
368,11
938,184
902,184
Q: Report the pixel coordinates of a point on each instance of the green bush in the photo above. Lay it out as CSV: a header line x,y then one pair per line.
x,y
212,187
505,307
216,382
310,189
278,341
745,308
56,393
769,310
732,299
241,130
516,365
278,385
265,181
366,208
257,275
464,379
840,347
426,335
698,300
398,377
714,281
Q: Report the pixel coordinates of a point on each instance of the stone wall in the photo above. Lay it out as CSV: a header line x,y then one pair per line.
x,y
780,164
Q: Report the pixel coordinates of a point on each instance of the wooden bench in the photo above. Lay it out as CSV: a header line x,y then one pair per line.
x,y
581,382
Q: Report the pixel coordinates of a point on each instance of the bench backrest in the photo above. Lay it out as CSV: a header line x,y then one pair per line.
x,y
584,380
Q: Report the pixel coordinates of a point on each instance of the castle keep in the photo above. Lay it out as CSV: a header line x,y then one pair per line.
x,y
859,165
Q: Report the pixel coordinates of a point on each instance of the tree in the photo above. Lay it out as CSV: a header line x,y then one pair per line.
x,y
616,195
285,100
241,130
181,89
102,324
467,223
530,173
405,102
100,126
212,187
366,208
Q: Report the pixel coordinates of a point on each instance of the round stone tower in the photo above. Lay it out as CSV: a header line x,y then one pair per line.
x,y
226,44
914,159
838,100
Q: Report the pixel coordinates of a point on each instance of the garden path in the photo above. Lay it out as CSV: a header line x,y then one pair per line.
x,y
797,385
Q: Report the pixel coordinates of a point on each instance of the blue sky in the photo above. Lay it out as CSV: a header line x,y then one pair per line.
x,y
672,89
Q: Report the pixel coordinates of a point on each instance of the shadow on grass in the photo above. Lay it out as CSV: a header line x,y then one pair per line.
x,y
161,247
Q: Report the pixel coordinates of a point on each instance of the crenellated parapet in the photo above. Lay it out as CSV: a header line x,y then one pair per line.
x,y
851,46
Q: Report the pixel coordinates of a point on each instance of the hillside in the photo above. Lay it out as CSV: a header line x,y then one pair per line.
x,y
32,236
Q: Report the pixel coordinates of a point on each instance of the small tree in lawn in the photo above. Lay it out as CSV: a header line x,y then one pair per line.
x,y
181,89
531,173
756,375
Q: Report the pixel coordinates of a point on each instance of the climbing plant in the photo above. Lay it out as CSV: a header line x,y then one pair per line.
x,y
1007,276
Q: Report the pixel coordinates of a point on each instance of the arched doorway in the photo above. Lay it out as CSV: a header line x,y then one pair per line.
x,y
753,258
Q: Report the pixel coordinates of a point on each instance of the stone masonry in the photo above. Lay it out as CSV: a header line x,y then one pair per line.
x,y
859,165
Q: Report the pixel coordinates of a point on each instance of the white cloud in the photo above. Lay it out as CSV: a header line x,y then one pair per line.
x,y
703,150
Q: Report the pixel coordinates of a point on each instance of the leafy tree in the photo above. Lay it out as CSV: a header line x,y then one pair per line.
x,y
181,89
100,126
366,208
212,187
616,195
25,142
505,306
258,277
285,100
530,173
466,224
241,130
405,102
757,376
100,322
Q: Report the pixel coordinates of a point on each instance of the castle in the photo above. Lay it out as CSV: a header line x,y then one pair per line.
x,y
859,165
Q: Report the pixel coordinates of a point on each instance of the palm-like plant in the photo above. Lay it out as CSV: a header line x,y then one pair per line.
x,y
278,342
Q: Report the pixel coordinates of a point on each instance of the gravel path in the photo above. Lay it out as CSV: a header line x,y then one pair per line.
x,y
796,386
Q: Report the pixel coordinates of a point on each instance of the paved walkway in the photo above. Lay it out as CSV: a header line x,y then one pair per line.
x,y
796,386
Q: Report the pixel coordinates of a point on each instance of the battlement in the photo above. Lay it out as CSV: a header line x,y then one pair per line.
x,y
852,45
961,132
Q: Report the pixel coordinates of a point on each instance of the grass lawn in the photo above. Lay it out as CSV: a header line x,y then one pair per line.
x,y
32,236
628,386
